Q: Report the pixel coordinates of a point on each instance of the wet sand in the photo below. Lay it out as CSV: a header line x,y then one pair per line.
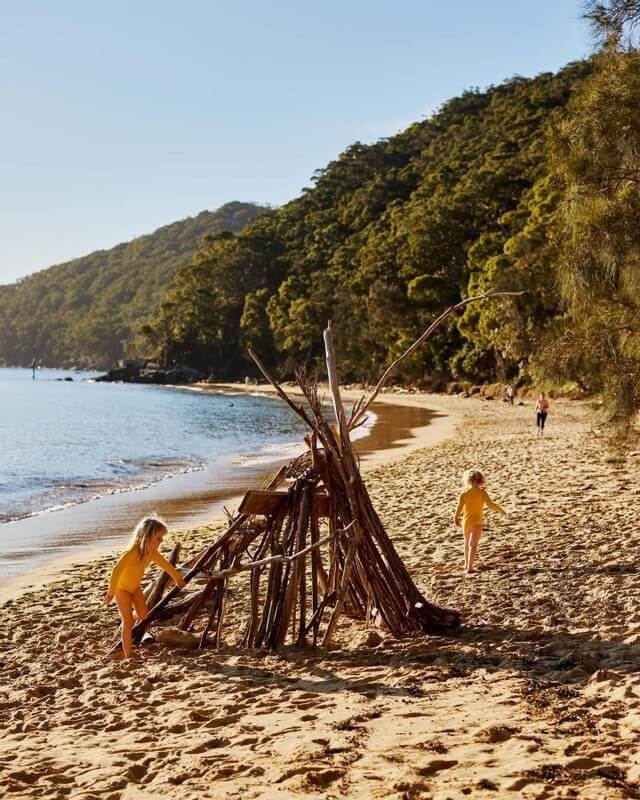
x,y
536,696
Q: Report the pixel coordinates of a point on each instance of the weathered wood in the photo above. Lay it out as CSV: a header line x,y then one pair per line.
x,y
315,569
334,384
365,572
186,622
156,590
302,573
262,502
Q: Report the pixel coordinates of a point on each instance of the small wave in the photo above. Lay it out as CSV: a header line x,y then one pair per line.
x,y
269,453
85,491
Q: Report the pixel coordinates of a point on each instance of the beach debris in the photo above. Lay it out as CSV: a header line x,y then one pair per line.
x,y
174,637
311,542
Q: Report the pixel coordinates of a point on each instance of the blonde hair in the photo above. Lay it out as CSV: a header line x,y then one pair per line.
x,y
472,477
144,532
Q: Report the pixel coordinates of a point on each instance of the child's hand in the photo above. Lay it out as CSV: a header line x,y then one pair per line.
x,y
107,599
180,582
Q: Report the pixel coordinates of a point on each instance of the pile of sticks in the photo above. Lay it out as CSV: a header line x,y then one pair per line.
x,y
311,542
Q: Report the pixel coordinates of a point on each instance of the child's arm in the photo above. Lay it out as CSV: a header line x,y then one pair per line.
x,y
167,566
458,517
115,575
493,506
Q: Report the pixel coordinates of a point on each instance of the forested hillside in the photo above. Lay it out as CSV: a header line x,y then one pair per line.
x,y
389,234
82,311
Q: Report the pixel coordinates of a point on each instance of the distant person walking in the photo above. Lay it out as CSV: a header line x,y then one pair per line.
x,y
509,394
542,410
471,504
34,364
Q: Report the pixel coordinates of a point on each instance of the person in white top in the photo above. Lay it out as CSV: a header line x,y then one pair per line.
x,y
509,393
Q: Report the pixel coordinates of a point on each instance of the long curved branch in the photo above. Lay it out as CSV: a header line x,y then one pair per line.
x,y
360,409
299,410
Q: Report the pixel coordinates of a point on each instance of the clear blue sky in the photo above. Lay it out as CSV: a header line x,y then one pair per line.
x,y
118,117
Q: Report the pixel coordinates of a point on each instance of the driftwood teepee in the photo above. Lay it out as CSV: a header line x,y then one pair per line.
x,y
311,541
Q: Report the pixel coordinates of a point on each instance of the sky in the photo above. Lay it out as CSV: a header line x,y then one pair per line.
x,y
119,117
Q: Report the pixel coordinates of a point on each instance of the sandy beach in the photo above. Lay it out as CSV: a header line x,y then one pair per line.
x,y
537,695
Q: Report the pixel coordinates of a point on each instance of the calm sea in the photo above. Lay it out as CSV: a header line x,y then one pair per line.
x,y
64,442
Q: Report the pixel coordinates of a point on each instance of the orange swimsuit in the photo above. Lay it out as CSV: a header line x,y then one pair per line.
x,y
470,507
127,573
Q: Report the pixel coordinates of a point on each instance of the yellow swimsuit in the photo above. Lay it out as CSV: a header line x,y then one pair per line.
x,y
470,507
127,573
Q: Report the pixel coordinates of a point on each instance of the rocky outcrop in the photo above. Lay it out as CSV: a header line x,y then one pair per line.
x,y
142,372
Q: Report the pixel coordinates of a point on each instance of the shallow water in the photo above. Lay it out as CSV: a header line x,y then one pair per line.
x,y
130,450
64,442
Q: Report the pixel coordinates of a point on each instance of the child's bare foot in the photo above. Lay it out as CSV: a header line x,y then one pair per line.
x,y
118,655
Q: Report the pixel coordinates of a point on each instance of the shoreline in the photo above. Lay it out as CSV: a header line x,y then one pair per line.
x,y
381,446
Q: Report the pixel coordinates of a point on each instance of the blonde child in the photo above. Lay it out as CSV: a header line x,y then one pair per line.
x,y
469,513
127,574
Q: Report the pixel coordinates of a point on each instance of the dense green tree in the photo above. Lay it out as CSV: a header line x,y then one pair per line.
x,y
597,163
391,233
387,235
86,310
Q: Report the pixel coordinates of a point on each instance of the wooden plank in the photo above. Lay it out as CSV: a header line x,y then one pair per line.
x,y
260,501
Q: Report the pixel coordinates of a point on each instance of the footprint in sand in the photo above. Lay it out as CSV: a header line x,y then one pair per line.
x,y
435,766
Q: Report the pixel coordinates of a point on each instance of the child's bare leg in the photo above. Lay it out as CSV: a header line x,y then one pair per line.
x,y
140,605
474,541
466,550
125,602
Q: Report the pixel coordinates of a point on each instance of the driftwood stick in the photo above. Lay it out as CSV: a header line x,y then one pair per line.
x,y
293,573
205,632
302,572
314,622
221,611
360,409
157,588
230,572
334,384
315,563
299,410
344,584
186,622
180,606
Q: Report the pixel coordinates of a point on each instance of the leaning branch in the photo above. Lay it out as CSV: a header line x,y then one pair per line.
x,y
223,574
360,409
299,410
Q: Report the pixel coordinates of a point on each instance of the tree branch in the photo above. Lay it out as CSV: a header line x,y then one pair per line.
x,y
361,408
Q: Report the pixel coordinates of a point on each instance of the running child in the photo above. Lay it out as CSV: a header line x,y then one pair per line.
x,y
469,513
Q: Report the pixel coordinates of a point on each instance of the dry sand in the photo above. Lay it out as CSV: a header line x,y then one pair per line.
x,y
537,695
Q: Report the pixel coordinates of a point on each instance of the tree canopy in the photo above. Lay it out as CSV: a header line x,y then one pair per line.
x,y
596,167
81,312
388,234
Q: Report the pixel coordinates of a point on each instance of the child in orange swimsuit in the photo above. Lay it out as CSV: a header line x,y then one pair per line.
x,y
127,574
469,513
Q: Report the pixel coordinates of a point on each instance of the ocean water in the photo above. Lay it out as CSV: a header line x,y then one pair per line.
x,y
66,442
